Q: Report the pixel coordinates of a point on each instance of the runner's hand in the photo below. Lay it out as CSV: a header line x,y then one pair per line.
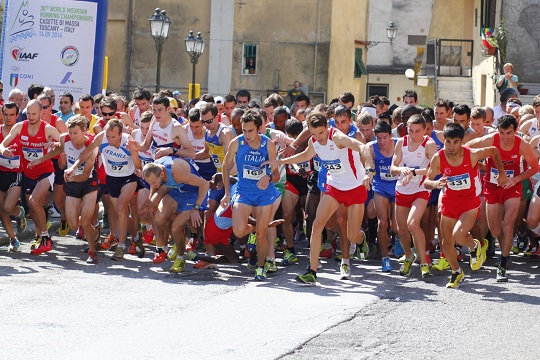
x,y
225,201
195,218
442,182
161,152
263,182
287,152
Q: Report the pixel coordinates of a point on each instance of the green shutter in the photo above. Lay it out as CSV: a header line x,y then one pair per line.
x,y
359,67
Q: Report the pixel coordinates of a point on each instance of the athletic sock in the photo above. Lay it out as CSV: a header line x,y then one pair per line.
x,y
148,227
45,233
159,249
503,261
345,261
180,257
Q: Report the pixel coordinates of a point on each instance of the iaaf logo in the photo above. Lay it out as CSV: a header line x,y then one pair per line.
x,y
19,55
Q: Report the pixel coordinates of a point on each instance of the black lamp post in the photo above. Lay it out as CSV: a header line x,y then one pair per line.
x,y
159,26
391,33
194,47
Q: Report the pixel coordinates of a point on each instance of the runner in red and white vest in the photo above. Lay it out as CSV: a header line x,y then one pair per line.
x,y
461,201
36,137
410,162
502,202
11,179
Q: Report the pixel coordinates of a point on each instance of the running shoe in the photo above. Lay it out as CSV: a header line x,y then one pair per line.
x,y
45,245
299,236
92,258
252,243
426,272
344,272
501,274
260,273
309,278
401,260
515,249
535,251
530,250
476,256
289,258
204,265
53,213
485,245
21,221
386,265
35,243
522,242
455,279
178,266
441,265
131,249
14,245
251,267
405,268
159,257
191,244
352,250
148,236
327,252
80,234
139,247
190,255
63,230
428,260
362,250
118,254
173,252
109,242
270,266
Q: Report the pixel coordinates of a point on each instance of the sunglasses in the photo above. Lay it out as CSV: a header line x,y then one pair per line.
x,y
207,121
45,107
108,114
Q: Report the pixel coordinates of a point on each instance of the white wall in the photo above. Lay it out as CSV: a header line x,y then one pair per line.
x,y
220,47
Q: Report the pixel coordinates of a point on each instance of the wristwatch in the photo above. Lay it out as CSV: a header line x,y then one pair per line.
x,y
196,207
370,170
414,172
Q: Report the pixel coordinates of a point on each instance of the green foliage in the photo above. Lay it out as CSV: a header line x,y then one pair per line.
x,y
501,34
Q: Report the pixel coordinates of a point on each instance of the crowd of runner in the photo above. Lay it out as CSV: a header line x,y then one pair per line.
x,y
233,180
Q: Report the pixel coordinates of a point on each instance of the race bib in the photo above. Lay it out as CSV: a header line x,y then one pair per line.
x,y
145,160
386,176
10,163
459,182
316,164
494,174
334,167
216,161
32,154
79,170
118,168
295,168
253,172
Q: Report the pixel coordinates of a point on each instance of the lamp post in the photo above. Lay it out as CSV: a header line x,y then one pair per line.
x,y
194,47
159,26
391,33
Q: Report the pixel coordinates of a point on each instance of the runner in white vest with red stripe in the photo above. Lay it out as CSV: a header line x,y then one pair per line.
x,y
410,162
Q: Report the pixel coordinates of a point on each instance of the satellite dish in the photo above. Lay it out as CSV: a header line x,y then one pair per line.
x,y
409,73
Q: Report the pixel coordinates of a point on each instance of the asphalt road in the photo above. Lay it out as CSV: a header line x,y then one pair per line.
x,y
55,306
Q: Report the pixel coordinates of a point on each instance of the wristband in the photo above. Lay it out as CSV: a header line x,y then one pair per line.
x,y
174,151
414,172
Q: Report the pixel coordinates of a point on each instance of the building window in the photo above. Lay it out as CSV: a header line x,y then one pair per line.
x,y
359,67
487,13
377,89
249,62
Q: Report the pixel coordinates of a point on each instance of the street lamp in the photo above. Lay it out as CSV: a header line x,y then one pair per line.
x,y
159,26
391,33
194,47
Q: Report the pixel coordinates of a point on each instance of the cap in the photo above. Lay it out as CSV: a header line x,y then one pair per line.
x,y
219,100
173,102
176,93
255,103
200,104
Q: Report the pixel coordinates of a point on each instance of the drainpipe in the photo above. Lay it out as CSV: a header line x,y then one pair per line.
x,y
316,45
129,50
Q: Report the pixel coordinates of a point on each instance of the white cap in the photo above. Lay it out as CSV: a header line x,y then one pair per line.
x,y
218,100
200,104
370,110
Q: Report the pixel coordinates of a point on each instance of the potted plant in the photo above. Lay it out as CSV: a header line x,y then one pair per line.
x,y
495,39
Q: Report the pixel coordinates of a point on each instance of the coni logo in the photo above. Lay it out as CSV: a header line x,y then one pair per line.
x,y
69,55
